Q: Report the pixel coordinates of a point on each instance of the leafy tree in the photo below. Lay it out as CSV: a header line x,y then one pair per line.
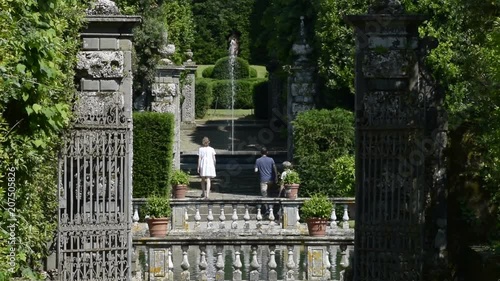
x,y
38,43
216,21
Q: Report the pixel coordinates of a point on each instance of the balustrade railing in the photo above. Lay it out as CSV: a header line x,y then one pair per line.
x,y
248,216
247,258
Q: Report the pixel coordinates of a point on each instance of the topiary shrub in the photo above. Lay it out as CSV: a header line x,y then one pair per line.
x,y
343,168
207,72
203,97
320,137
253,72
221,69
153,150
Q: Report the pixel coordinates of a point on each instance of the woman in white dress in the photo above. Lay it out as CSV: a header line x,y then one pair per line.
x,y
206,166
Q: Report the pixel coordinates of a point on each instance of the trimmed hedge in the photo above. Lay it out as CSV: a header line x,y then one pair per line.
x,y
253,72
207,72
243,93
221,69
320,137
153,151
260,99
203,97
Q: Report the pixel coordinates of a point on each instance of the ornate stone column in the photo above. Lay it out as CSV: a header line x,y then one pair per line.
x,y
188,91
95,163
166,98
301,86
400,136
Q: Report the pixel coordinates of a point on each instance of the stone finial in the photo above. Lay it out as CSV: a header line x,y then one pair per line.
x,y
386,7
103,7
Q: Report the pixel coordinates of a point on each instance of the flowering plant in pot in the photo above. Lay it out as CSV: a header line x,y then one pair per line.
x,y
180,183
158,210
316,211
291,181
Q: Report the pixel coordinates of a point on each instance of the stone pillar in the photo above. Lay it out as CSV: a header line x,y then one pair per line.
x,y
188,94
399,164
166,98
95,163
301,86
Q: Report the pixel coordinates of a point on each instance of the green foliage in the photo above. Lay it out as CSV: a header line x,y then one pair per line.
x,y
153,150
241,69
291,177
38,45
207,72
318,206
203,97
252,72
158,206
159,18
243,97
343,168
261,99
179,177
216,21
320,137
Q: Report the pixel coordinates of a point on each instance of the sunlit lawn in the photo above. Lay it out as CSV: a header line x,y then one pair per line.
x,y
214,114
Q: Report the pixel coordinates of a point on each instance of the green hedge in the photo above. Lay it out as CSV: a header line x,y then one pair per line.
x,y
203,97
221,69
253,72
153,150
320,137
207,72
244,89
260,99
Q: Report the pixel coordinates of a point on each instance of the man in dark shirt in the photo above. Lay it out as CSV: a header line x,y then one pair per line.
x,y
267,170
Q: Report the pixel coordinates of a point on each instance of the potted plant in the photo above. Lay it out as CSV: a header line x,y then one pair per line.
x,y
158,213
316,211
291,181
180,183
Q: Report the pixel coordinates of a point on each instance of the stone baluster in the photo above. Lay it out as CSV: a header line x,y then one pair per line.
x,y
185,275
344,260
272,274
297,215
186,219
170,265
234,217
290,265
237,264
210,217
328,264
345,218
333,260
259,216
271,215
219,275
197,217
202,276
254,265
333,217
222,217
135,217
246,217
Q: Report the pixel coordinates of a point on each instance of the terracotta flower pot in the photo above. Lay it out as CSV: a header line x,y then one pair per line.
x,y
292,190
180,191
158,227
317,226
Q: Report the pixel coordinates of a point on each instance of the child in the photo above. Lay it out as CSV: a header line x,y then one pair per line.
x,y
287,166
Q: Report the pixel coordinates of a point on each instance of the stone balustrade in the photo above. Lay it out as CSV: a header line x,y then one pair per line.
x,y
272,258
245,216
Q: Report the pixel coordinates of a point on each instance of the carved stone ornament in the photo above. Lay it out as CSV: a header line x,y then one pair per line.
x,y
103,7
103,64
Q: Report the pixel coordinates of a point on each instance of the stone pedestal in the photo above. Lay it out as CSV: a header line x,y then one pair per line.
x,y
166,97
188,94
399,143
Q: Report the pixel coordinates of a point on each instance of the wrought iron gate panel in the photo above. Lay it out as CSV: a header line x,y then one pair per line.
x,y
94,205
